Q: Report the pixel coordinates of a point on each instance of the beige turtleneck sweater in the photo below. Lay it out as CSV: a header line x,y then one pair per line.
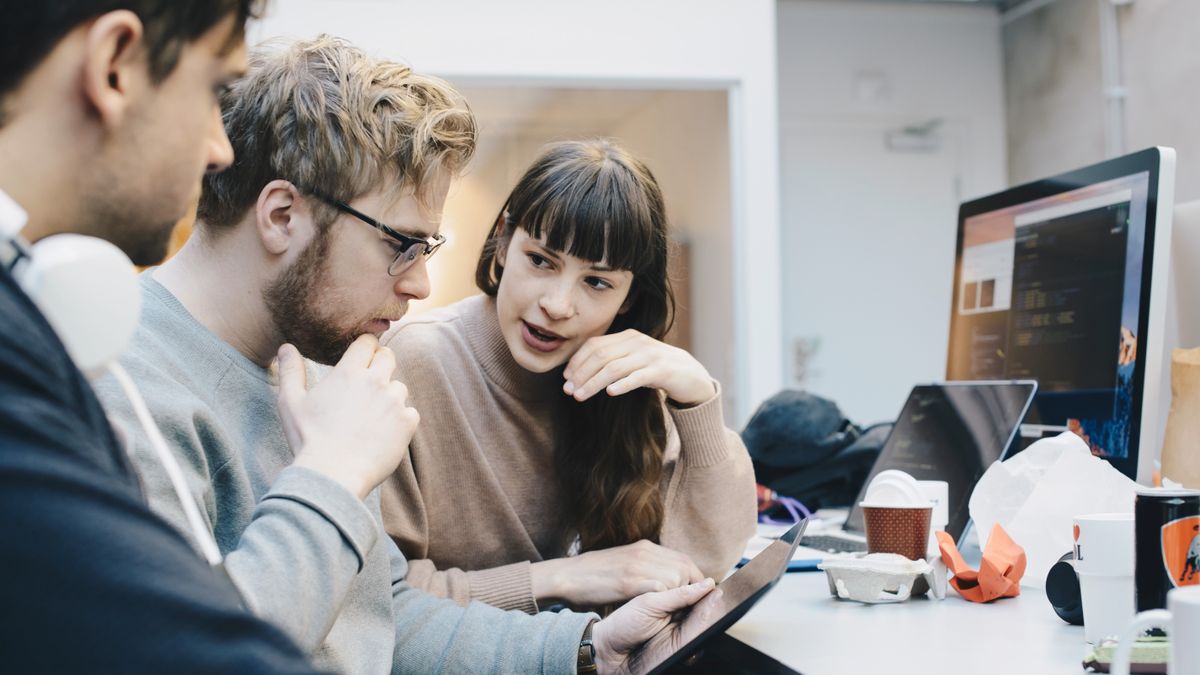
x,y
476,502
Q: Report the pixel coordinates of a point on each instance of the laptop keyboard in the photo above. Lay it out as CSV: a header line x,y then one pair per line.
x,y
824,542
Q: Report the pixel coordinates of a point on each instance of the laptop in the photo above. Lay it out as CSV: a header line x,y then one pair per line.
x,y
951,431
717,612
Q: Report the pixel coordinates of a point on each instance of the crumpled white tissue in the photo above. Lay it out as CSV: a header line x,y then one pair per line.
x,y
1035,494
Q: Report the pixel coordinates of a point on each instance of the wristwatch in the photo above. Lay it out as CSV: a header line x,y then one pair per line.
x,y
587,652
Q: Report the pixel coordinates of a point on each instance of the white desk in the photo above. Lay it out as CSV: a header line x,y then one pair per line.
x,y
801,625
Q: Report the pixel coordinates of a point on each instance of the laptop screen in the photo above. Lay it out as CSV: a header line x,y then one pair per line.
x,y
951,432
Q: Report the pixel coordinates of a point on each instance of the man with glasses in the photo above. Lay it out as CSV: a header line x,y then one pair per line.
x,y
317,237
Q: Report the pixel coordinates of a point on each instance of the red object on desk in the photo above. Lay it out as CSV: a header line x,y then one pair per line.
x,y
999,574
767,498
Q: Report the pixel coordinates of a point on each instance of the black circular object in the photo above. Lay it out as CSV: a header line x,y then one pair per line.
x,y
1062,590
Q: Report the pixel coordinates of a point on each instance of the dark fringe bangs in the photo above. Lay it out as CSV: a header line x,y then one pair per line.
x,y
598,213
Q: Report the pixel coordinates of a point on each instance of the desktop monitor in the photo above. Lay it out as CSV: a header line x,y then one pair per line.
x,y
1065,281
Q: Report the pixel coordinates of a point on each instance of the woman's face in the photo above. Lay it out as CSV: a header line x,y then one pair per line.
x,y
550,302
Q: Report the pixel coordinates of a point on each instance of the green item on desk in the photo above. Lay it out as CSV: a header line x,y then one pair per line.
x,y
1149,656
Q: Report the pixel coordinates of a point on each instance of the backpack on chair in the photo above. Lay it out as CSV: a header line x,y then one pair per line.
x,y
803,447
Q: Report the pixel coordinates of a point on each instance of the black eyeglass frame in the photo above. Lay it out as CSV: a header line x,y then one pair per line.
x,y
408,242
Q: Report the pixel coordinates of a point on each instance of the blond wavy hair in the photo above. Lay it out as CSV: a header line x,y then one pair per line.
x,y
332,120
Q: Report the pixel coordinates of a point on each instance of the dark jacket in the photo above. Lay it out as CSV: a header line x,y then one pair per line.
x,y
93,581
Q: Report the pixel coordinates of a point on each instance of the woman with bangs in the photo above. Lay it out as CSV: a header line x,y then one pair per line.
x,y
566,454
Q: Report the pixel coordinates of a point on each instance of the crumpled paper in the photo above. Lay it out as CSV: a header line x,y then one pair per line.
x,y
999,574
1036,493
1180,461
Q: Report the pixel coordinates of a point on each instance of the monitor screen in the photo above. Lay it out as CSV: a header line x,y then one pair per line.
x,y
1053,282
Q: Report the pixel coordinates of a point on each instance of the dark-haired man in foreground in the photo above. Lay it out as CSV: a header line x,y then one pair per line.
x,y
108,119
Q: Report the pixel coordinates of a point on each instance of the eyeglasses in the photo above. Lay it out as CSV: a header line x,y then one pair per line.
x,y
410,247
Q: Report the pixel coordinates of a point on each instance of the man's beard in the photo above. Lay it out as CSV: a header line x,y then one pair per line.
x,y
291,300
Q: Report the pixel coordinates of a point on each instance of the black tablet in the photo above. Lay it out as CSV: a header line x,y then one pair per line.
x,y
717,612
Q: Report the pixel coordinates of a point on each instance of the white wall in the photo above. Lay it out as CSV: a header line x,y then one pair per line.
x,y
691,44
940,61
1161,64
868,233
1054,80
1054,90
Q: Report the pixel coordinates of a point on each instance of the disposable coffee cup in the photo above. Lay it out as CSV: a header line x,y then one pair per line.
x,y
897,529
1104,561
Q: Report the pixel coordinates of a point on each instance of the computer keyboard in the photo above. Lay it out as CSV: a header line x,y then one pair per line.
x,y
824,542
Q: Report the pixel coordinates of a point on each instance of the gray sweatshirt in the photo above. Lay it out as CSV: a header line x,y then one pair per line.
x,y
305,553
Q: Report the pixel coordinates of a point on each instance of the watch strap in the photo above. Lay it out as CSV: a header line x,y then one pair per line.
x,y
587,652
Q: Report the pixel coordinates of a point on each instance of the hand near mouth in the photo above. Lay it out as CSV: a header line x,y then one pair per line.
x,y
622,362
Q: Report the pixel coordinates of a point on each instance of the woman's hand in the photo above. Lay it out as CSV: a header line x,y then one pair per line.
x,y
612,575
622,362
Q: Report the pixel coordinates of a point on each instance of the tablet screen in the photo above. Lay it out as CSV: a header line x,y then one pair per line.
x,y
718,611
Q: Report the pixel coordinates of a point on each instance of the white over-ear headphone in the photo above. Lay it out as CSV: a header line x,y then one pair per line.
x,y
88,290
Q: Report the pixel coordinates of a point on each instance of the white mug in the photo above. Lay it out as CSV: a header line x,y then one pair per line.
x,y
1181,620
1104,557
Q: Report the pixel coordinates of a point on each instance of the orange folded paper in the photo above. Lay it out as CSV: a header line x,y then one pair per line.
x,y
999,574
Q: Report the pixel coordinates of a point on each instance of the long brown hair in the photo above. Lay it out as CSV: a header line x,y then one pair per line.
x,y
595,201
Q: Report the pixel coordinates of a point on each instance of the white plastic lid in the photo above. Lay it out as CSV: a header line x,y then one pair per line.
x,y
894,488
877,505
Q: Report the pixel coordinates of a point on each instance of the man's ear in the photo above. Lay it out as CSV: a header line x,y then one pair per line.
x,y
115,67
279,218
